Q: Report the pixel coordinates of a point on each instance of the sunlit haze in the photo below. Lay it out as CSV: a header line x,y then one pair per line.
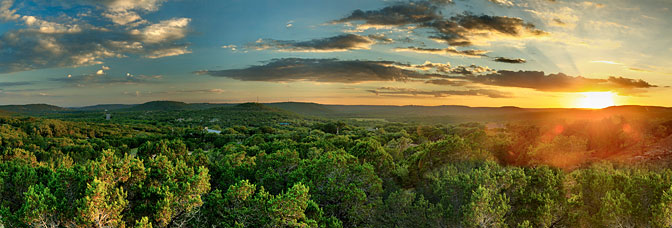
x,y
596,100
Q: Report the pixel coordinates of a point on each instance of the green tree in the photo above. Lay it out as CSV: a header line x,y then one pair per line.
x,y
40,207
102,205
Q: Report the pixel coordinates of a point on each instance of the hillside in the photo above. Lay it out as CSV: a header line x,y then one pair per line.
x,y
103,107
160,106
250,114
312,109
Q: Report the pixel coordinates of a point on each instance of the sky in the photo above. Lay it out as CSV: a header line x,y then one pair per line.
x,y
536,53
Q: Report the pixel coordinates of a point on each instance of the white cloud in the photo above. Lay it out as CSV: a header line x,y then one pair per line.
x,y
503,2
160,53
230,46
7,14
172,29
122,5
124,17
72,41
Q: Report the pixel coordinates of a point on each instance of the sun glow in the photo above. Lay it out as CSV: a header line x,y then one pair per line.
x,y
596,100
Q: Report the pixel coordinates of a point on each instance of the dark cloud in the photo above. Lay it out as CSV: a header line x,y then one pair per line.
x,y
321,70
442,93
445,51
509,60
560,82
628,83
356,71
331,44
461,30
381,38
398,14
467,29
12,84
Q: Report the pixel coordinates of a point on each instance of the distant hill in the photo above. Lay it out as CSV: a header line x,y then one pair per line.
x,y
312,109
246,114
160,106
288,110
103,107
33,108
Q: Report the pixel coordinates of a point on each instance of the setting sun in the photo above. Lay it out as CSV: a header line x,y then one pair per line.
x,y
596,100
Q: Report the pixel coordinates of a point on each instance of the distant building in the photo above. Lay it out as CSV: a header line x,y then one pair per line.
x,y
108,116
212,131
284,124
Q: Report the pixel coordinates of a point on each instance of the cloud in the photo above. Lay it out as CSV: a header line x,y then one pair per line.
x,y
502,2
215,91
556,16
440,93
606,62
381,38
445,51
167,30
321,70
124,17
230,46
395,15
447,69
358,71
509,60
123,12
12,84
463,29
117,5
446,82
330,44
72,40
560,82
165,52
468,29
6,13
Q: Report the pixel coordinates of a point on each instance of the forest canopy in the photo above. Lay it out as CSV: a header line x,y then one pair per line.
x,y
267,167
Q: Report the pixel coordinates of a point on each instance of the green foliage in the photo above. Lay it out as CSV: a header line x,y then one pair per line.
x,y
272,168
244,205
102,205
407,209
39,208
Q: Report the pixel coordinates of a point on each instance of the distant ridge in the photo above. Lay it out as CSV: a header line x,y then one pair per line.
x,y
413,113
252,106
160,106
302,108
103,107
33,108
